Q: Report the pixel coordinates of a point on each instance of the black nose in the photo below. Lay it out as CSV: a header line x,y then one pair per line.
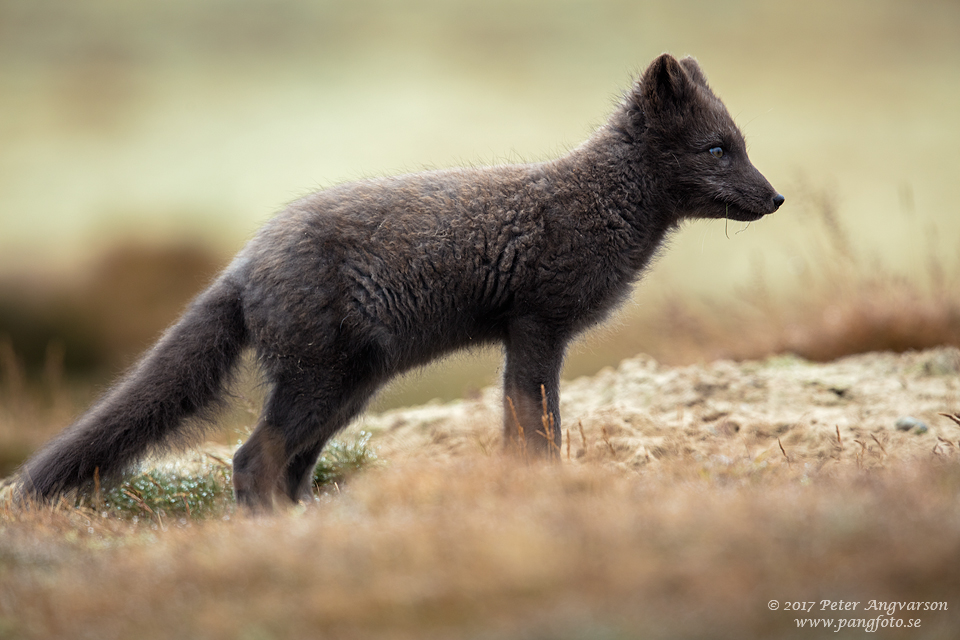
x,y
777,201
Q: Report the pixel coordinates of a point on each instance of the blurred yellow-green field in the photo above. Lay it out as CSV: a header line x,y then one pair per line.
x,y
166,120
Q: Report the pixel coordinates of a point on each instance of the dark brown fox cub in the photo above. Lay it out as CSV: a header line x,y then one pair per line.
x,y
353,285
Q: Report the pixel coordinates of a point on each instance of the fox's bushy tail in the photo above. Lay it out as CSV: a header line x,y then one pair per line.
x,y
184,375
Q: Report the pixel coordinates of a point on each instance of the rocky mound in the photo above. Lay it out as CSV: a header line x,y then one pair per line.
x,y
642,413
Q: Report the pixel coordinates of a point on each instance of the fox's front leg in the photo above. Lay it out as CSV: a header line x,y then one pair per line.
x,y
531,389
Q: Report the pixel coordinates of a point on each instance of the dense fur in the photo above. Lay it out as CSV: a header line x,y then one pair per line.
x,y
353,285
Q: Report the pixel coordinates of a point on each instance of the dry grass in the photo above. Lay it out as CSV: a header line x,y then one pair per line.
x,y
483,546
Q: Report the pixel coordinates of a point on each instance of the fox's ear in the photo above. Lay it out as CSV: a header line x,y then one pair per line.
x,y
665,83
694,71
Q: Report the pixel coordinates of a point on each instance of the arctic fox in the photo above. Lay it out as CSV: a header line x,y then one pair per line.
x,y
352,285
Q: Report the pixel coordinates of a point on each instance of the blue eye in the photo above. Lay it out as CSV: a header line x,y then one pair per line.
x,y
717,152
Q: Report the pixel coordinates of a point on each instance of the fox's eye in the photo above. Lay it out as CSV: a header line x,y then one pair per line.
x,y
716,152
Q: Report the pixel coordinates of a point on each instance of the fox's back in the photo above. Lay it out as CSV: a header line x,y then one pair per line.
x,y
433,257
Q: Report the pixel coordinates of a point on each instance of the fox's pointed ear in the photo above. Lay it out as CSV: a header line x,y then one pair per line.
x,y
694,71
664,84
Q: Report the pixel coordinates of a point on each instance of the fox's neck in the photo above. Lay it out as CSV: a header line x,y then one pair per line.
x,y
608,170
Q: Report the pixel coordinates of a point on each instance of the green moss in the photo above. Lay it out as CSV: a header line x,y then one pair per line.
x,y
172,492
168,493
341,459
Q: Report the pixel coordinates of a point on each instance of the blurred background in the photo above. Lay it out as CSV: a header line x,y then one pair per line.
x,y
141,144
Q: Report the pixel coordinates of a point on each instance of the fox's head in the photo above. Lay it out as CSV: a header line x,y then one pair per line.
x,y
691,147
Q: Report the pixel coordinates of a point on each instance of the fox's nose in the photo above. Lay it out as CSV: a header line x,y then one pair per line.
x,y
777,201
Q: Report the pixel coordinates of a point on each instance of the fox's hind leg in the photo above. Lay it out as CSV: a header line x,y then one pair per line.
x,y
258,467
298,475
305,408
278,457
288,430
